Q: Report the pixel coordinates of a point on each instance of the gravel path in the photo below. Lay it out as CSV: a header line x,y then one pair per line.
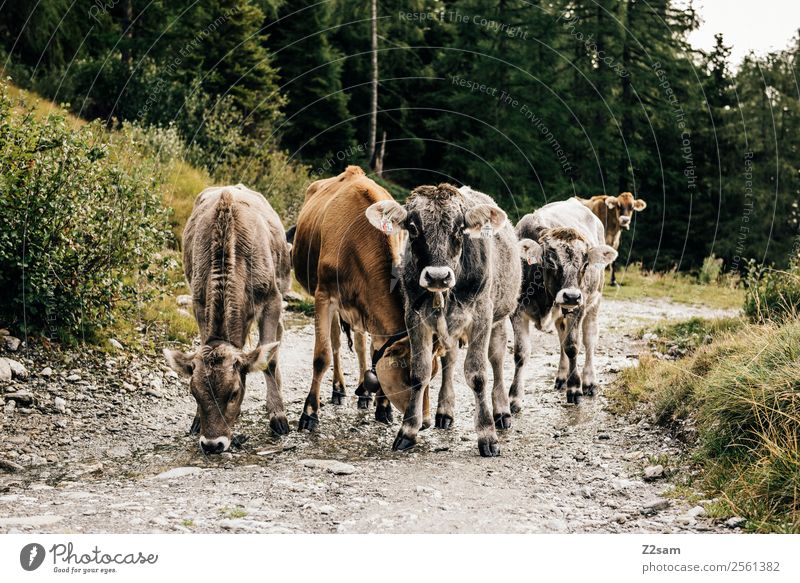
x,y
114,455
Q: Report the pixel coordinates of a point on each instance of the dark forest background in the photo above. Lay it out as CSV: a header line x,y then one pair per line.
x,y
528,101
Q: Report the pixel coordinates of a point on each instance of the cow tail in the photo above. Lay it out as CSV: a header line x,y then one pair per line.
x,y
346,329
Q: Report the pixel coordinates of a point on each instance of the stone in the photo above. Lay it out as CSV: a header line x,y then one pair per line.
x,y
47,372
293,296
73,378
154,393
335,467
22,398
178,473
32,521
5,370
735,522
9,466
620,518
184,300
696,511
586,492
653,473
116,344
655,506
11,343
18,370
60,404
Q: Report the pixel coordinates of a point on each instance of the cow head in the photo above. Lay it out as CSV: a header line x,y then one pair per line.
x,y
394,371
218,373
624,205
439,224
572,268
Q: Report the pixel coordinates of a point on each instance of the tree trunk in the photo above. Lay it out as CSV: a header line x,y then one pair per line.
x,y
627,100
373,115
378,167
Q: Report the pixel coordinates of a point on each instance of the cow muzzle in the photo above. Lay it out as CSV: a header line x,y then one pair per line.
x,y
214,445
569,299
437,279
625,222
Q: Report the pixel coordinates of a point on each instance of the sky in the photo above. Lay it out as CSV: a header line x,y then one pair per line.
x,y
758,25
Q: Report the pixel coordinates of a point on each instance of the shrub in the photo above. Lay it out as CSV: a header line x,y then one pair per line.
x,y
76,224
773,295
711,270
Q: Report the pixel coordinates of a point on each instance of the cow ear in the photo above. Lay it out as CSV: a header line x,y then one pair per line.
x,y
258,358
400,349
483,220
611,201
530,251
602,255
386,216
180,362
639,204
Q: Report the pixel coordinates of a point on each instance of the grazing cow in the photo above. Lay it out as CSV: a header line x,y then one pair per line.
x,y
348,267
460,279
562,281
237,264
616,213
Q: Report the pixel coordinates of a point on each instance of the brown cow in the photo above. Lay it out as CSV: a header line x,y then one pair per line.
x,y
616,213
236,261
348,266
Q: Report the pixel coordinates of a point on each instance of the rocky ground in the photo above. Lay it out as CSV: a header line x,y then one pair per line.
x,y
97,442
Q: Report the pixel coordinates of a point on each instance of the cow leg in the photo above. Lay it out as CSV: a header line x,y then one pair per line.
x,y
338,393
426,408
590,334
309,419
522,350
421,367
475,373
568,328
445,411
362,352
497,351
268,332
383,408
613,273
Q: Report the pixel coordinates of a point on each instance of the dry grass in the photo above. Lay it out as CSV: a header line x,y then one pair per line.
x,y
742,391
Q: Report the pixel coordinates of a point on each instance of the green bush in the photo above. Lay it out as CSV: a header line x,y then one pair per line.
x,y
773,295
78,222
711,270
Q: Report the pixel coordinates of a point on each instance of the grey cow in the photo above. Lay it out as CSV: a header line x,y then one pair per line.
x,y
236,261
460,277
564,256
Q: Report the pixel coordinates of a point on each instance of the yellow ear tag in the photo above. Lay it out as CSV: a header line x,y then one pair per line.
x,y
531,260
386,225
487,232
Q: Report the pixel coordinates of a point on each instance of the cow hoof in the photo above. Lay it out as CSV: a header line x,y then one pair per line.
x,y
337,396
402,442
560,384
426,423
502,421
589,390
488,448
443,421
516,406
279,425
307,421
194,429
384,414
573,398
364,402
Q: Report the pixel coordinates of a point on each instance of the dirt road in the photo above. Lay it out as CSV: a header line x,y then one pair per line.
x,y
117,457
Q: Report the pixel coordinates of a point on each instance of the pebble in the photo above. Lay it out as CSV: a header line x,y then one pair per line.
x,y
32,521
116,344
655,506
735,522
620,518
9,466
184,300
12,343
22,398
47,372
178,473
154,393
73,378
335,467
5,370
586,492
18,370
60,404
653,472
697,511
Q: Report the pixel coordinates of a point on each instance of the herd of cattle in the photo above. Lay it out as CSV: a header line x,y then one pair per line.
x,y
415,282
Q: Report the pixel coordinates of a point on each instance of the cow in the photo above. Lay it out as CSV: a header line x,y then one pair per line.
x,y
460,279
564,258
615,213
237,264
350,269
